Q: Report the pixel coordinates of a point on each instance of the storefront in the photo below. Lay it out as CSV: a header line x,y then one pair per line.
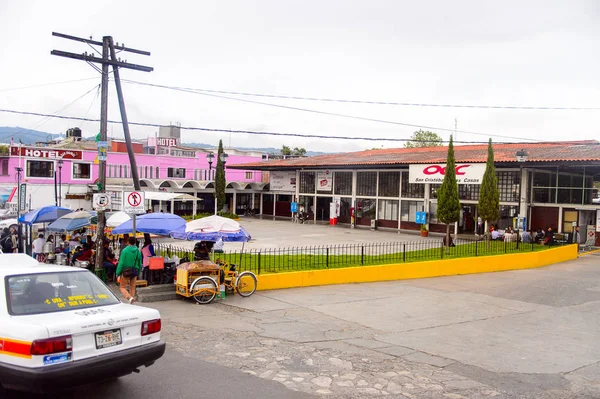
x,y
556,186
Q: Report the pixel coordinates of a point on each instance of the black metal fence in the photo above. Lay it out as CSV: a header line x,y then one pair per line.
x,y
277,260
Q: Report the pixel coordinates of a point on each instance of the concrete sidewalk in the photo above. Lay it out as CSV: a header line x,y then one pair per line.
x,y
520,334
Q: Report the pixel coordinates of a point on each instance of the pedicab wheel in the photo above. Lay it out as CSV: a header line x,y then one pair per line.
x,y
204,290
246,284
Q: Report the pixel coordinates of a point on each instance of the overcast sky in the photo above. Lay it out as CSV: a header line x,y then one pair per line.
x,y
509,53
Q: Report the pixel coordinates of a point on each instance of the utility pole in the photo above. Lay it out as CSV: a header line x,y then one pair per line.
x,y
108,47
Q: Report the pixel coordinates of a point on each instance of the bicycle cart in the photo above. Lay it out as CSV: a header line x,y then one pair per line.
x,y
202,280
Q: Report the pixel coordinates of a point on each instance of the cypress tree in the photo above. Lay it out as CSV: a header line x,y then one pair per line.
x,y
220,179
489,196
448,210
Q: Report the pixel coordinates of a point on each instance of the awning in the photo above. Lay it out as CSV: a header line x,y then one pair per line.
x,y
165,196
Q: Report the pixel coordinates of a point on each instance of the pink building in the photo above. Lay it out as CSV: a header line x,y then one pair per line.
x,y
163,166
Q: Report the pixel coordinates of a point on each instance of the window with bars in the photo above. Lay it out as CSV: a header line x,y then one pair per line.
x,y
411,190
389,184
342,183
469,192
307,182
366,183
249,176
508,186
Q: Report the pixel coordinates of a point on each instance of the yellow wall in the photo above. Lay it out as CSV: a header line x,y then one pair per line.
x,y
402,271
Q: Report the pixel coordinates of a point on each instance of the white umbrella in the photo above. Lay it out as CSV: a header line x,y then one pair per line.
x,y
8,222
117,219
212,223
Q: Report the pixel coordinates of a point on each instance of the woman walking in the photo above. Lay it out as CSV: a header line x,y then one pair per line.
x,y
147,252
129,267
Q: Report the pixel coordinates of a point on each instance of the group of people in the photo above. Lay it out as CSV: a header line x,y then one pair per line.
x,y
545,237
8,240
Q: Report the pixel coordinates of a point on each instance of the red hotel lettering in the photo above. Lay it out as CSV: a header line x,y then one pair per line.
x,y
433,169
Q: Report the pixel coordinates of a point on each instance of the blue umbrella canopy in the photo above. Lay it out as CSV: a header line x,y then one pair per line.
x,y
153,223
46,214
72,221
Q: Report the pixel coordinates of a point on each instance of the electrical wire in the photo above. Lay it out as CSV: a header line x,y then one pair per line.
x,y
47,84
49,116
250,132
404,104
329,113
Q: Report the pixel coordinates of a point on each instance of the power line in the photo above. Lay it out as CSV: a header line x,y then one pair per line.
x,y
327,113
47,84
404,104
193,128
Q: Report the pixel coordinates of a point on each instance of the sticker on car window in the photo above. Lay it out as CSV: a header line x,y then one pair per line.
x,y
55,359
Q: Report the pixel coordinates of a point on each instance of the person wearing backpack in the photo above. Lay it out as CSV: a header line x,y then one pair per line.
x,y
129,267
6,242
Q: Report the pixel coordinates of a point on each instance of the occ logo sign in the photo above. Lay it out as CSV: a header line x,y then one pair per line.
x,y
437,169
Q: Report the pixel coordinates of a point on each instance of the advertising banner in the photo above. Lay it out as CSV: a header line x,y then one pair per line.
x,y
466,173
45,153
324,181
283,181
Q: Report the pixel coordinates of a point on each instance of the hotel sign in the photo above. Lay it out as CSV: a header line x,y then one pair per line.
x,y
52,153
166,142
466,173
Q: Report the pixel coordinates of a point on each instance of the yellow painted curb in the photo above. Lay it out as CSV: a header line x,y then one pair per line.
x,y
595,251
402,271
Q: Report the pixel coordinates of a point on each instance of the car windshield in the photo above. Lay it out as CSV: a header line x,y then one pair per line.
x,y
37,293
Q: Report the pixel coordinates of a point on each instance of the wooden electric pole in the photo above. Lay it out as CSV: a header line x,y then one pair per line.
x,y
107,47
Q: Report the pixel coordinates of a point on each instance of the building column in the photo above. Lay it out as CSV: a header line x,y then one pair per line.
x,y
353,225
560,220
260,205
524,189
195,203
274,203
234,203
173,206
426,203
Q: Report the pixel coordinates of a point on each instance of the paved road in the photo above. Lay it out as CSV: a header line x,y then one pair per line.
x,y
519,334
176,376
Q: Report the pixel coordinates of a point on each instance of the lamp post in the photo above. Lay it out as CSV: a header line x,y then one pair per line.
x,y
19,230
521,159
209,158
60,164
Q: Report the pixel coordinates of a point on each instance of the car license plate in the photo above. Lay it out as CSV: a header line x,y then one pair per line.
x,y
107,339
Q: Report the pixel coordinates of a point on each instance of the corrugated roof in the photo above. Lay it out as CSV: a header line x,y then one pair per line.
x,y
503,153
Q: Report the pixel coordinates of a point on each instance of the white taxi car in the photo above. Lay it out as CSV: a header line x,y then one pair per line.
x,y
61,327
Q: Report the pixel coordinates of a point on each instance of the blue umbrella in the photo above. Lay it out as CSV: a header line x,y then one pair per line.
x,y
152,223
72,221
45,214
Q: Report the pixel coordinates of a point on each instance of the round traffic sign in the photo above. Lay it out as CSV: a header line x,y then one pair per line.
x,y
134,199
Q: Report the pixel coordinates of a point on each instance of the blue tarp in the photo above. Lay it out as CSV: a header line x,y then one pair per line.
x,y
46,214
152,223
72,221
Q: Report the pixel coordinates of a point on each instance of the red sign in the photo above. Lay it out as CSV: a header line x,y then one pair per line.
x,y
41,152
433,169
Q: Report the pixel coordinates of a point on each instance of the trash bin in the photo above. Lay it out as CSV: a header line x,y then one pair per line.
x,y
373,224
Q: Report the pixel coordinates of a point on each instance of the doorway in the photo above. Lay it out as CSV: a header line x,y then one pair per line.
x,y
322,211
468,219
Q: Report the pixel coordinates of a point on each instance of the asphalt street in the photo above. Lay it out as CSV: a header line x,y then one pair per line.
x,y
176,376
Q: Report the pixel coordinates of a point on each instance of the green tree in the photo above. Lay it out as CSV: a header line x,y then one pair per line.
x,y
299,151
285,150
220,179
4,149
489,196
424,138
448,210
